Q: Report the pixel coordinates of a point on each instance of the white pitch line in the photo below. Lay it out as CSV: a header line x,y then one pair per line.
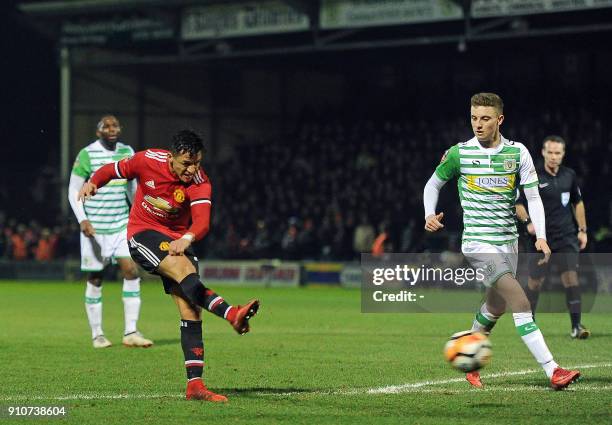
x,y
517,389
395,389
391,389
93,397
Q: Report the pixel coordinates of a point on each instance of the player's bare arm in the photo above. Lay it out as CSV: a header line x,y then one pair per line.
x,y
523,217
580,215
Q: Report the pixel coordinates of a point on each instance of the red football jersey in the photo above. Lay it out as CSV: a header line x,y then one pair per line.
x,y
163,202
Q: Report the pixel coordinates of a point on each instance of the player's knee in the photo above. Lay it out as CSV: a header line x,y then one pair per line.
x,y
95,278
569,279
130,273
176,267
535,284
193,289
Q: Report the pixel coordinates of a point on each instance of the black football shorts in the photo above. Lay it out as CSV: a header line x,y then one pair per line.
x,y
566,259
149,248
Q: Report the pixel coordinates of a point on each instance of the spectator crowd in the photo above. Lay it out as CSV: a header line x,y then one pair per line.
x,y
343,187
340,187
21,241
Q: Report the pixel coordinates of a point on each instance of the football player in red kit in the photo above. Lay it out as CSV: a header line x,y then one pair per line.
x,y
171,210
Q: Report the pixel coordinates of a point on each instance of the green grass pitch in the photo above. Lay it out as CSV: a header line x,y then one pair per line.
x,y
312,357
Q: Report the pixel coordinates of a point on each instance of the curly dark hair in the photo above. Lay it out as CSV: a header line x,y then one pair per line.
x,y
187,141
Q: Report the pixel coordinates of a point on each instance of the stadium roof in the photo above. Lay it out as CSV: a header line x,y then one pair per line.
x,y
124,32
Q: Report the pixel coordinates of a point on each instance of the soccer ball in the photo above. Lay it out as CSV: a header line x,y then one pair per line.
x,y
468,351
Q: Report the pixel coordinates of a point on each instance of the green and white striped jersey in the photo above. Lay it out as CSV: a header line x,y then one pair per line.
x,y
487,180
108,210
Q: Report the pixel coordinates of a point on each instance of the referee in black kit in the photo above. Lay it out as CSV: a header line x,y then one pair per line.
x,y
564,208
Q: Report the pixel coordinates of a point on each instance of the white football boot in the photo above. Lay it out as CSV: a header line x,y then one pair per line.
x,y
135,339
101,342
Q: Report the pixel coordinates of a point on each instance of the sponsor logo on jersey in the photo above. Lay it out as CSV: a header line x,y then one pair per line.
x,y
510,164
161,204
565,197
475,162
493,183
150,183
164,246
179,195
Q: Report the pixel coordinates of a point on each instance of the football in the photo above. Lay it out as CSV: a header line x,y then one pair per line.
x,y
468,351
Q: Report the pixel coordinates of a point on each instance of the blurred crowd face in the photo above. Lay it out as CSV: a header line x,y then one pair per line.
x,y
553,153
485,123
109,129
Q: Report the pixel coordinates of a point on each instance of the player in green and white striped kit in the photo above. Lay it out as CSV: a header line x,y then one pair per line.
x,y
489,169
103,221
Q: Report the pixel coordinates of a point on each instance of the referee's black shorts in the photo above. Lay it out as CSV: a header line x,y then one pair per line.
x,y
564,256
148,248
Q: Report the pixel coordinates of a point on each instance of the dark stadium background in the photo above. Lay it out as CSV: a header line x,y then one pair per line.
x,y
417,94
311,147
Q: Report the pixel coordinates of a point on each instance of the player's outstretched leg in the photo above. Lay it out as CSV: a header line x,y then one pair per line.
x,y
574,307
193,350
573,301
474,379
243,314
534,340
532,291
485,320
131,303
93,307
131,308
562,378
198,294
509,288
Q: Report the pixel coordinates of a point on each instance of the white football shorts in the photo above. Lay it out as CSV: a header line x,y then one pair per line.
x,y
98,251
493,260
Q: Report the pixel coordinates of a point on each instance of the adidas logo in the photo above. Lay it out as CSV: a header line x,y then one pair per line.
x,y
150,183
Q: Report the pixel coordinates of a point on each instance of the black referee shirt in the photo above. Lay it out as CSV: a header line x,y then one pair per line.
x,y
558,194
